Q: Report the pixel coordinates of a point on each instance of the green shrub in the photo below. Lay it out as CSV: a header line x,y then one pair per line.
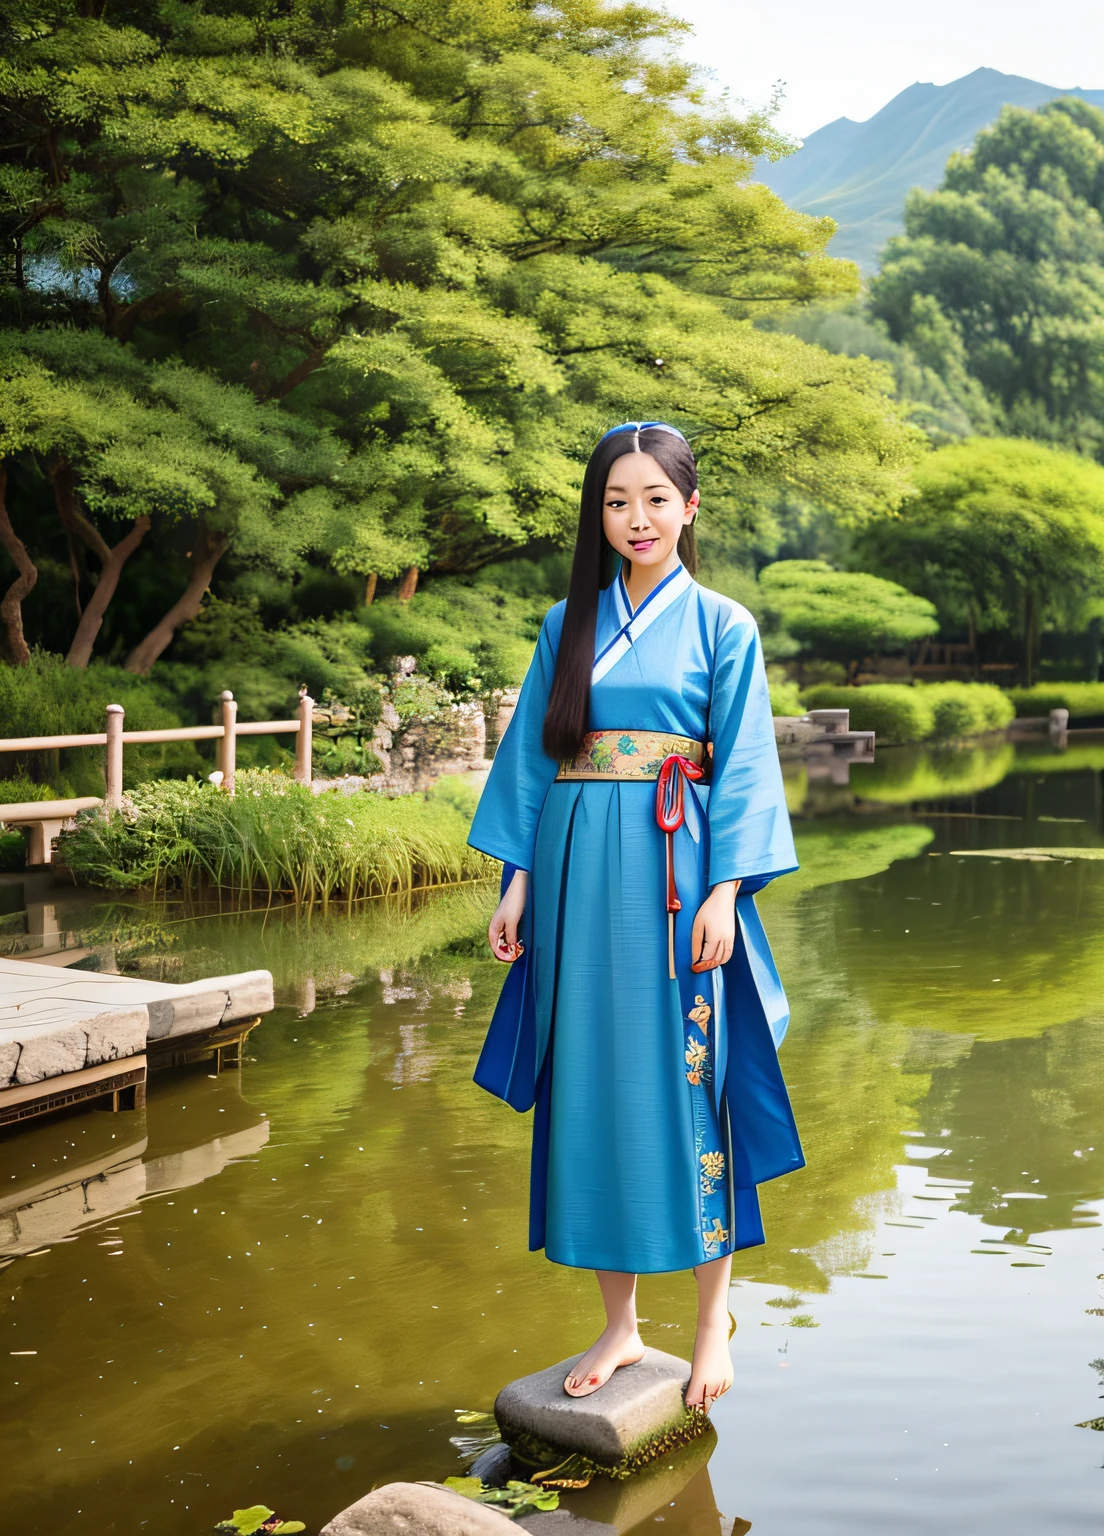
x,y
967,709
785,699
47,698
13,852
1080,699
274,837
20,789
901,713
897,713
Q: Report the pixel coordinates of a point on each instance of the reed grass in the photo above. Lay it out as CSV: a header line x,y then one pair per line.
x,y
275,840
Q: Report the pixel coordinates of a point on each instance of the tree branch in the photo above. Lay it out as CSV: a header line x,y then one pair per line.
x,y
208,551
112,559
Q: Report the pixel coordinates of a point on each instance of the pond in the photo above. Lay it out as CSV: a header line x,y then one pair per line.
x,y
278,1285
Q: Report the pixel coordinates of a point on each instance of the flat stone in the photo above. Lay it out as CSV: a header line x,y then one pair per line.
x,y
639,1405
201,1005
417,1509
48,1042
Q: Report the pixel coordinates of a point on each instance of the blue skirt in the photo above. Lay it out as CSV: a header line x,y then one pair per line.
x,y
659,1104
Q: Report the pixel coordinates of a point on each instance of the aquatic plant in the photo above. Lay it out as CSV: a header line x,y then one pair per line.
x,y
515,1499
273,838
259,1520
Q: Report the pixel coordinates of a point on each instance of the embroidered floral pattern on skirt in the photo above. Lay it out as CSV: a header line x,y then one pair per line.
x,y
714,1204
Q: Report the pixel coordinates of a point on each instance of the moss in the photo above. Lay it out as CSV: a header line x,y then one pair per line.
x,y
546,1463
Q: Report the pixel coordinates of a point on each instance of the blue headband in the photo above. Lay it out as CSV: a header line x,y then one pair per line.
x,y
641,426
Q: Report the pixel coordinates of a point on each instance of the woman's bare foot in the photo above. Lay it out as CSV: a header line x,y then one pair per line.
x,y
619,1345
711,1371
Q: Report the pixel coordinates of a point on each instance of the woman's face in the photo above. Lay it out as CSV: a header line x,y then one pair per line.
x,y
643,513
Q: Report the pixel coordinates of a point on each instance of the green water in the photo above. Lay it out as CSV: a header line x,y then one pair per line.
x,y
278,1285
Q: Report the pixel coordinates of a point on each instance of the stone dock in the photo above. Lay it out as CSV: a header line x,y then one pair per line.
x,y
69,1037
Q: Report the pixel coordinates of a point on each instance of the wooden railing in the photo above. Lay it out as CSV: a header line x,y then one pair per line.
x,y
114,738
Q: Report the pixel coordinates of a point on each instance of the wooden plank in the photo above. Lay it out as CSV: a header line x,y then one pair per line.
x,y
22,811
174,733
114,1077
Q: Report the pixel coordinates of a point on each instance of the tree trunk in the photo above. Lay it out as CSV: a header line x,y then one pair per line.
x,y
11,604
80,652
112,560
208,551
409,584
370,589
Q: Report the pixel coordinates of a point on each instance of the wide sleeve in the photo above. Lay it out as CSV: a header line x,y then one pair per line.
x,y
749,826
505,823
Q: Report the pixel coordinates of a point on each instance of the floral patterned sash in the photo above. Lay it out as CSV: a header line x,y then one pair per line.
x,y
628,754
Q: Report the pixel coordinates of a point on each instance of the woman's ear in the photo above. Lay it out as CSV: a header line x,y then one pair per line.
x,y
692,507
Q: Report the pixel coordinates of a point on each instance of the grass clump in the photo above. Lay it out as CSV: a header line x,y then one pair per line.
x,y
275,839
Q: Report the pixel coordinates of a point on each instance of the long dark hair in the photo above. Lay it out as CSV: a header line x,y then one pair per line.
x,y
596,564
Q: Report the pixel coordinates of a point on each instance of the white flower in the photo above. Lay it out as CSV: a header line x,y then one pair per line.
x,y
216,777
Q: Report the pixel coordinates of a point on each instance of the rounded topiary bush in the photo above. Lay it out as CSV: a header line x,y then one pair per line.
x,y
1081,699
895,712
967,709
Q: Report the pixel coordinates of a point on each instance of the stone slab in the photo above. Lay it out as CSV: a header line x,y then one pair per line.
x,y
55,1021
418,1509
40,1048
201,1005
638,1404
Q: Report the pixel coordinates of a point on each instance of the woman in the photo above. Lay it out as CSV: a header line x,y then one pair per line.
x,y
636,803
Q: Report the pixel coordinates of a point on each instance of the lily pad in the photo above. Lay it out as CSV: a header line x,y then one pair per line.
x,y
470,1487
246,1521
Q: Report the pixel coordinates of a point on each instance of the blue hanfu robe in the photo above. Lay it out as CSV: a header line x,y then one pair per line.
x,y
651,1132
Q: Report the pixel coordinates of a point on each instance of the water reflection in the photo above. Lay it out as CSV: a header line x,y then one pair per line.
x,y
77,1172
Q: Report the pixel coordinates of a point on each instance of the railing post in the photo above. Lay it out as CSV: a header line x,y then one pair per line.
x,y
228,747
303,770
113,798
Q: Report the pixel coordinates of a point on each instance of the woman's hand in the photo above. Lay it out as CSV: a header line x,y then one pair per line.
x,y
502,935
714,933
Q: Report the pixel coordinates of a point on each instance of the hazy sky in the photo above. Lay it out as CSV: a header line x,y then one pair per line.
x,y
846,58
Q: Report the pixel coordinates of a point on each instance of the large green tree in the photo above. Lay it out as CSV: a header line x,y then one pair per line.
x,y
1005,533
397,266
1000,274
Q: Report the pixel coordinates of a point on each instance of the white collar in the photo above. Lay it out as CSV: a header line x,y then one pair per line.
x,y
633,624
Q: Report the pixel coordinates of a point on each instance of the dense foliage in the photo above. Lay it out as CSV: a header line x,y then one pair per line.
x,y
843,615
300,297
1008,534
998,274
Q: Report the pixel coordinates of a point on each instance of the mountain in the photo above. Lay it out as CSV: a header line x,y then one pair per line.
x,y
859,173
